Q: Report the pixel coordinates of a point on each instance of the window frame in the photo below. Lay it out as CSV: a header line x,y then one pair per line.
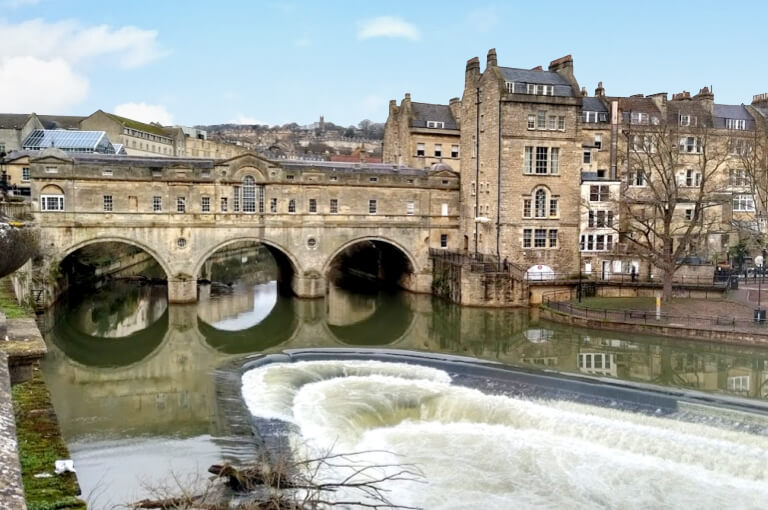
x,y
47,200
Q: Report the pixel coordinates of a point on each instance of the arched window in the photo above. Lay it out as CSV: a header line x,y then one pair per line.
x,y
541,203
52,198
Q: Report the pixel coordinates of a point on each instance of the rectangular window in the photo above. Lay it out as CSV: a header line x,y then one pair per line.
x,y
552,122
236,198
435,124
224,204
527,234
743,203
528,161
205,204
541,119
553,208
410,208
51,202
454,151
561,123
598,141
25,174
609,219
553,238
181,204
590,117
51,170
685,120
443,240
420,149
438,150
692,178
290,177
292,206
636,178
600,242
540,238
690,144
472,188
738,177
736,124
108,203
639,118
554,160
587,158
372,206
273,205
591,219
373,179
688,214
531,121
598,193
444,210
313,205
526,208
541,160
740,147
609,242
157,203
334,206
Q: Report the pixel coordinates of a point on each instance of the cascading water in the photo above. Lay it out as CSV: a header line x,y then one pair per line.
x,y
483,451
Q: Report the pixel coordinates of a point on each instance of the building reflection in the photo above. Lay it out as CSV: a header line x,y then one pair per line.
x,y
145,367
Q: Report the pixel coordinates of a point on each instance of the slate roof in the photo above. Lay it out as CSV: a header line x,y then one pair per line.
x,y
727,111
13,120
593,104
561,85
422,112
60,121
141,161
691,107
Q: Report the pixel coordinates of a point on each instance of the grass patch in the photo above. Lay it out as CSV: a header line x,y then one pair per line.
x,y
618,303
40,444
8,303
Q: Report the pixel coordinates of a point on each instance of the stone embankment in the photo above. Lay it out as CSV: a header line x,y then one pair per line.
x,y
723,333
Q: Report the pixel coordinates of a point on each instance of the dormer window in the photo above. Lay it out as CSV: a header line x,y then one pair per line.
x,y
510,87
639,118
685,120
540,90
594,117
740,124
435,124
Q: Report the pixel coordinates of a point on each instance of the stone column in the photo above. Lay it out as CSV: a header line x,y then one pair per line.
x,y
312,286
182,290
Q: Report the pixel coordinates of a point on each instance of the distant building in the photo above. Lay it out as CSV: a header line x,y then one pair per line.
x,y
138,138
422,134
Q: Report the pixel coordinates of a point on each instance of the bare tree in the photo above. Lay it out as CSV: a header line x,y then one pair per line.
x,y
673,194
287,484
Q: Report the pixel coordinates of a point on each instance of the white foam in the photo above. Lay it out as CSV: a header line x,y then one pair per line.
x,y
481,451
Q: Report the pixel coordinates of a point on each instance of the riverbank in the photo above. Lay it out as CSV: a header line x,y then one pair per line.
x,y
719,321
29,430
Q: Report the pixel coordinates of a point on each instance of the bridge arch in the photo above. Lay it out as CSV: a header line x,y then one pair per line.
x,y
404,269
281,254
117,239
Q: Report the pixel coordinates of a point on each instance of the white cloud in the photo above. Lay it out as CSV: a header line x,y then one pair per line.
x,y
144,112
31,84
387,26
129,46
245,119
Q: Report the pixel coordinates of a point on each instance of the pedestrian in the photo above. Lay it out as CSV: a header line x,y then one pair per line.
x,y
633,273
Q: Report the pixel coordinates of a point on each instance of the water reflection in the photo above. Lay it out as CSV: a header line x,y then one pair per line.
x,y
125,365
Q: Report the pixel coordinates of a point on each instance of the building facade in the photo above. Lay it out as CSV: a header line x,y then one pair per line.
x,y
420,135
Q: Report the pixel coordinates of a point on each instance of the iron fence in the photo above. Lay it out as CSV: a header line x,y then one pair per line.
x,y
561,302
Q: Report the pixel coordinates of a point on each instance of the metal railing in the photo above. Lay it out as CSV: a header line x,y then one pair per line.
x,y
555,302
625,278
479,262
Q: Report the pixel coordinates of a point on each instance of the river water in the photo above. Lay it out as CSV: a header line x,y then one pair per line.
x,y
132,383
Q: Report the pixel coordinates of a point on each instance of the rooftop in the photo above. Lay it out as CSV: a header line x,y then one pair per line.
x,y
423,112
139,126
525,76
69,141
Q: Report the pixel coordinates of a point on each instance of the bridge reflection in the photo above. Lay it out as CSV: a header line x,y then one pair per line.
x,y
158,375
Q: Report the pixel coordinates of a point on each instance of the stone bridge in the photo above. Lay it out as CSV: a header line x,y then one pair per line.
x,y
181,211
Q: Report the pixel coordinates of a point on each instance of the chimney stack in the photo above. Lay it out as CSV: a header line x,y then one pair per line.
x,y
760,100
455,105
599,91
491,61
584,91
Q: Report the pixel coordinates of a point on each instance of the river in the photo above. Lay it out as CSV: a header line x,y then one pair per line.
x,y
132,382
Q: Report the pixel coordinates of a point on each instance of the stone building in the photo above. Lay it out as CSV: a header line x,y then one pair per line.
x,y
521,167
422,134
138,138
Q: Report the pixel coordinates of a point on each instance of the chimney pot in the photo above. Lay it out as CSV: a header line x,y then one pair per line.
x,y
491,60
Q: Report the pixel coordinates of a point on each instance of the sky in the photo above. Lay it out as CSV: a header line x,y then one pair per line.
x,y
273,62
